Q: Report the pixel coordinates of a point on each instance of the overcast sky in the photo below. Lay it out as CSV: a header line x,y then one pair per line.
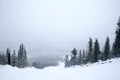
x,y
56,26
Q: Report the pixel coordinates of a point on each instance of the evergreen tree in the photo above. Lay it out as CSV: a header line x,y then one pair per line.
x,y
74,52
14,59
90,50
116,46
96,51
113,50
106,49
22,57
84,57
67,63
1,58
80,58
73,57
8,57
4,59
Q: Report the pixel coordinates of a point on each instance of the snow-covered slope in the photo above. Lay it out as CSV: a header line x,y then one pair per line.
x,y
97,71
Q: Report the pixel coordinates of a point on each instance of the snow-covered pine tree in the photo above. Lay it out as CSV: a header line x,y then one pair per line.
x,y
22,57
8,57
84,57
4,59
14,59
106,49
96,53
1,58
67,62
73,59
90,50
116,45
80,58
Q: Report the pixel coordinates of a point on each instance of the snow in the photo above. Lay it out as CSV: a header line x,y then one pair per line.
x,y
98,71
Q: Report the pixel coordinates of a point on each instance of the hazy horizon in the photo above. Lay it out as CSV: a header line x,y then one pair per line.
x,y
50,27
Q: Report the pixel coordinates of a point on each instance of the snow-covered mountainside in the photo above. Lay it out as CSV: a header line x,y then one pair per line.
x,y
108,70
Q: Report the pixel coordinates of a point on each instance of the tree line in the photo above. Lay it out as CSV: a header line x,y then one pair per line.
x,y
94,54
13,59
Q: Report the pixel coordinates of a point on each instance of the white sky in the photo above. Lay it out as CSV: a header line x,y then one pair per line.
x,y
56,26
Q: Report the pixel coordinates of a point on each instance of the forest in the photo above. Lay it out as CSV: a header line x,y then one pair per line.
x,y
81,57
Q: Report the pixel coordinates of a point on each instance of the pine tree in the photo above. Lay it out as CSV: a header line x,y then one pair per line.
x,y
4,59
84,57
80,58
116,46
74,57
67,63
14,59
90,50
8,57
22,57
1,58
96,53
74,52
106,49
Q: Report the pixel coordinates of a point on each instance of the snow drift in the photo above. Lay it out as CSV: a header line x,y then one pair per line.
x,y
108,70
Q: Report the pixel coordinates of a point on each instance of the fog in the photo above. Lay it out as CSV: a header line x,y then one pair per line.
x,y
54,27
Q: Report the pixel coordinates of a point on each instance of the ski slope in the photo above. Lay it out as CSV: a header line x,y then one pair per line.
x,y
99,71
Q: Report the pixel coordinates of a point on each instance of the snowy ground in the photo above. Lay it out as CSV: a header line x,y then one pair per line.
x,y
97,71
